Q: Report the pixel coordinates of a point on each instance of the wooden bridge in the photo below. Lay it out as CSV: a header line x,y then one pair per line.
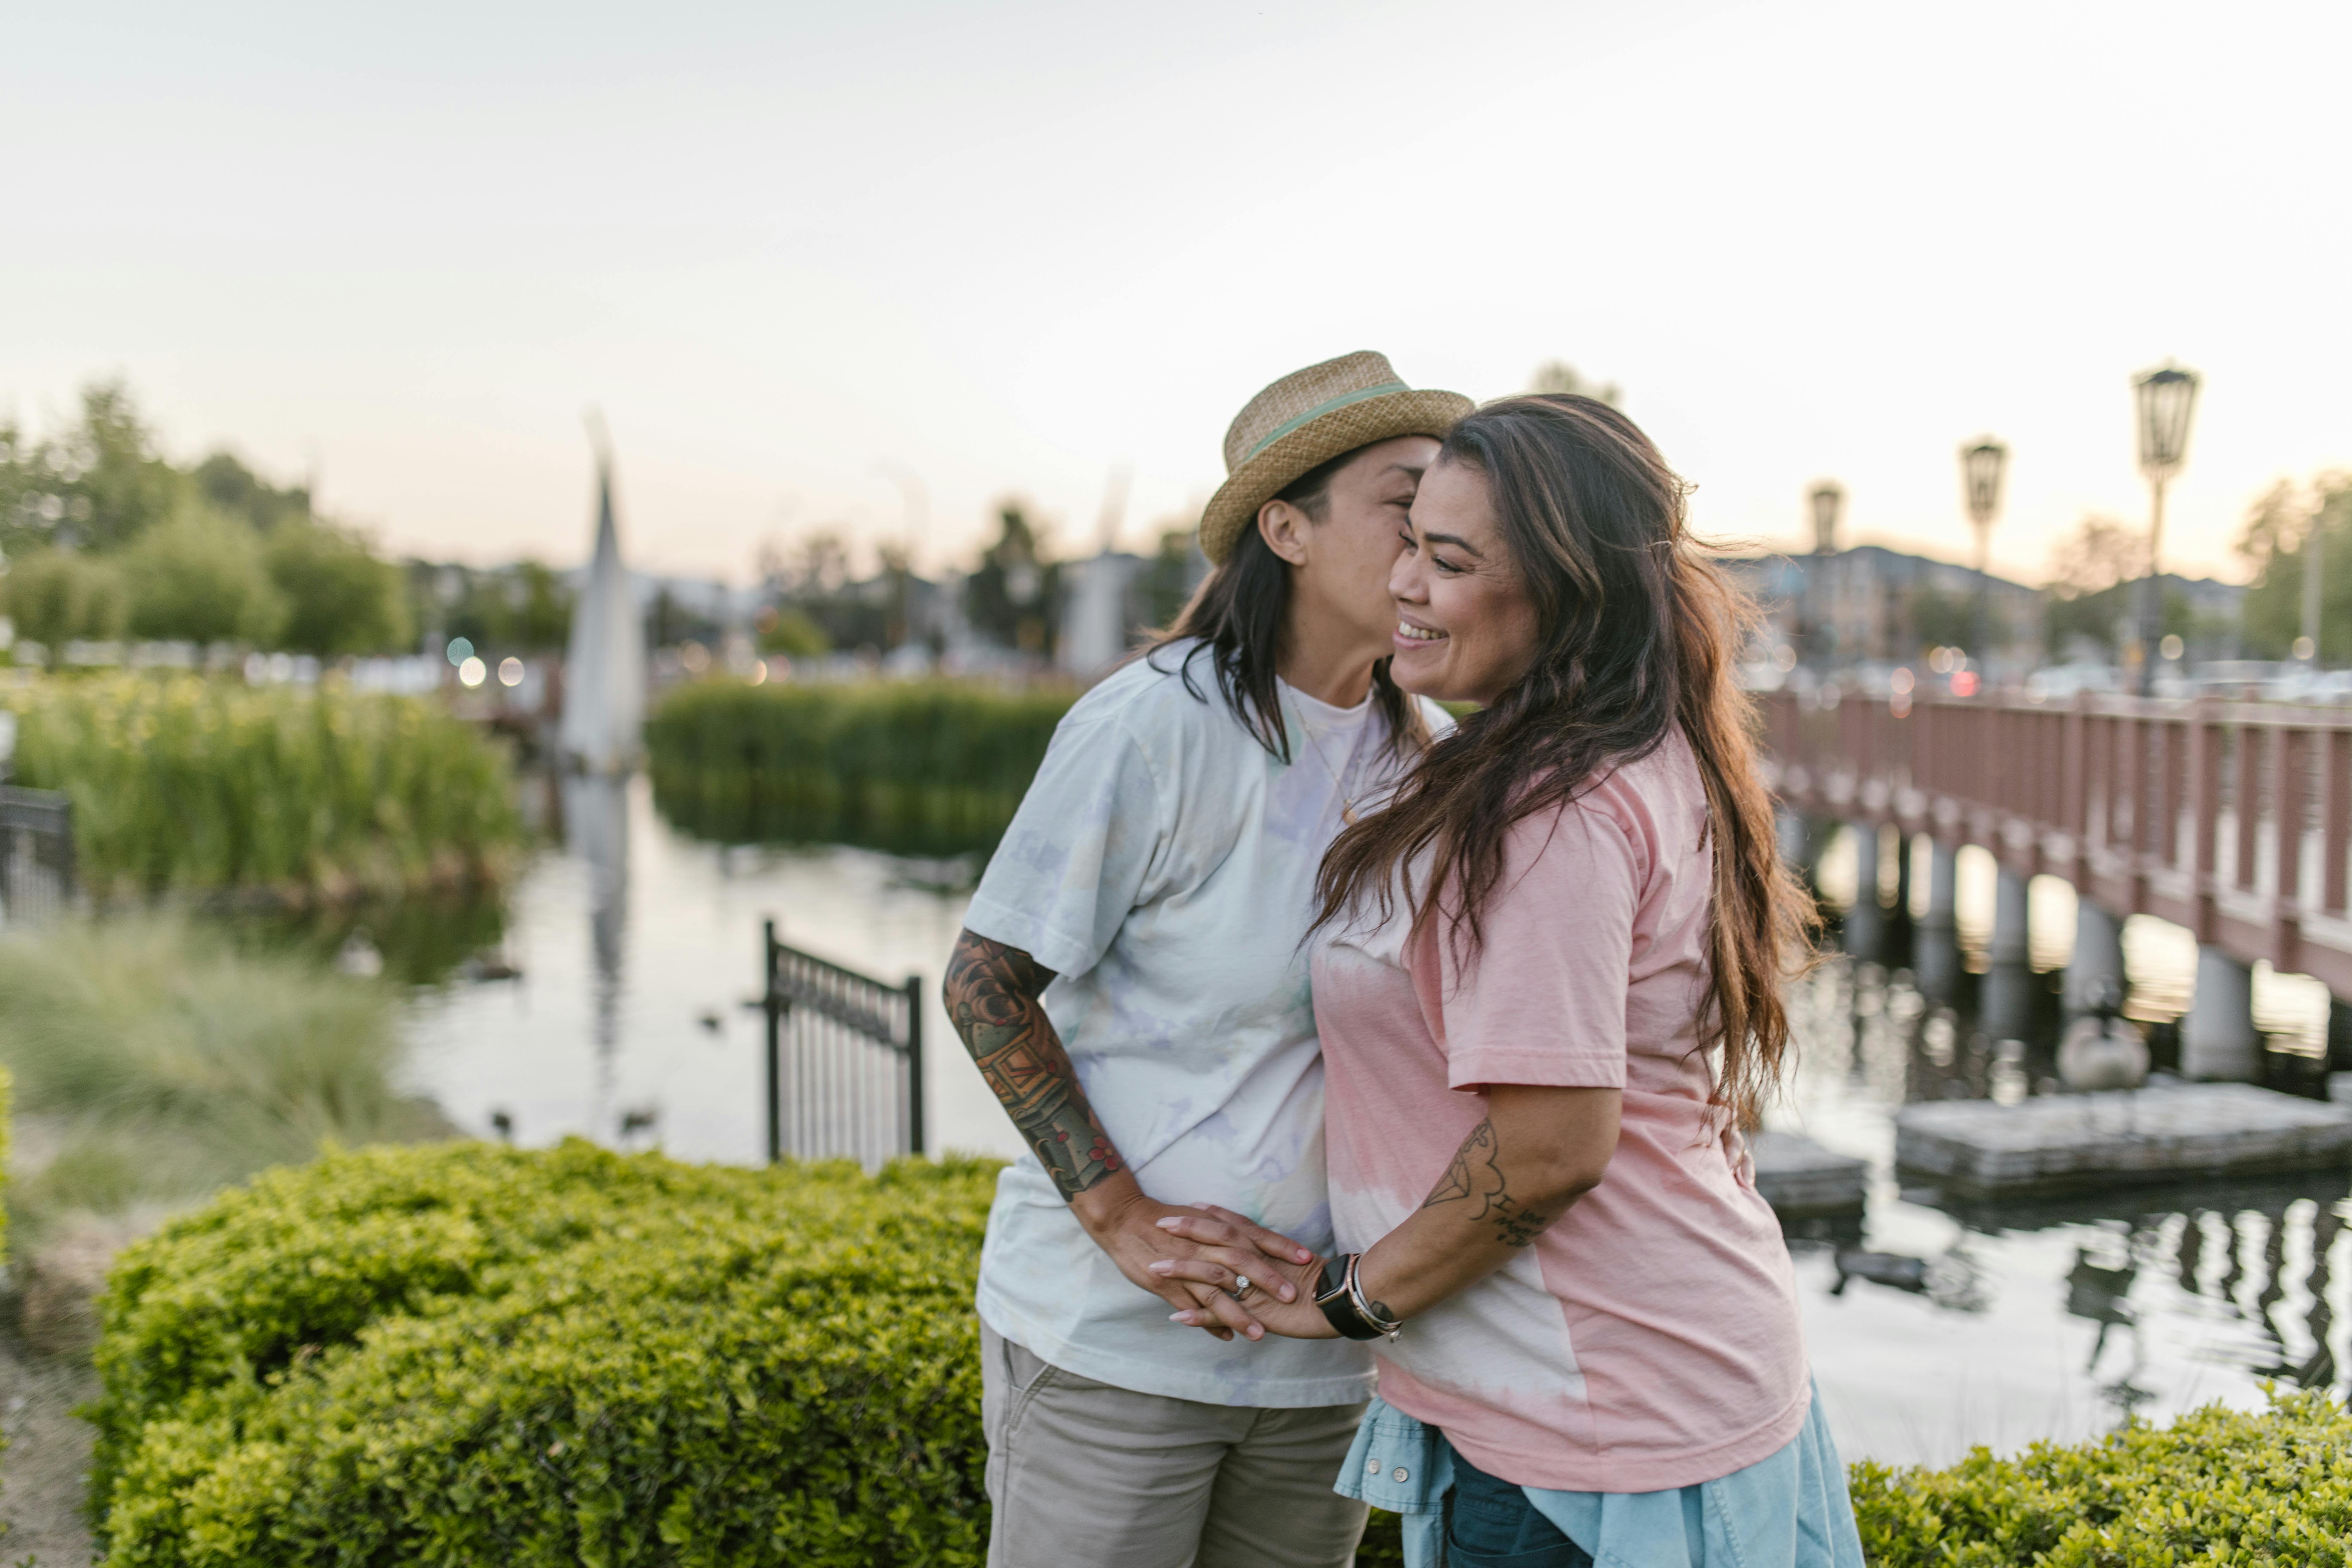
x,y
2230,818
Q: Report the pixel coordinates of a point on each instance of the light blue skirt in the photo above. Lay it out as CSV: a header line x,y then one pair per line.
x,y
1786,1511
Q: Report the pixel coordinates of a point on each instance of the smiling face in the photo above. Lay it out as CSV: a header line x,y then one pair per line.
x,y
1465,627
1342,549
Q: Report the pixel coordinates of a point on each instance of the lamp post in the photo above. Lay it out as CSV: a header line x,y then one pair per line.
x,y
2314,575
1981,463
2163,399
1827,500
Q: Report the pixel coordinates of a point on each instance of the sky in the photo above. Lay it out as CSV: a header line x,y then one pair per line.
x,y
871,267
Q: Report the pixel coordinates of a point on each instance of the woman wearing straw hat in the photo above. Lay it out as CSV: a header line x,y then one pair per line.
x,y
1548,976
1131,984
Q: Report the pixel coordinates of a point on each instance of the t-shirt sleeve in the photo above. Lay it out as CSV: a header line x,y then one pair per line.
x,y
1078,854
1543,1000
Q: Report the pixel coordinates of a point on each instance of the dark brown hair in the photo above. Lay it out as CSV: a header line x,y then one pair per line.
x,y
1636,635
1238,615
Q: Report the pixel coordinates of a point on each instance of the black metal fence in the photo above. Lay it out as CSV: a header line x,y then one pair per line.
x,y
845,1070
36,855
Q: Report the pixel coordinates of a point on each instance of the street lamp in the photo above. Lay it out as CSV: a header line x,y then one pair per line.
x,y
1981,470
1827,500
2165,397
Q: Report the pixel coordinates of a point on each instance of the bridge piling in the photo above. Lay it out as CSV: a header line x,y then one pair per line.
x,y
2218,1042
1865,922
2009,919
1943,886
2097,965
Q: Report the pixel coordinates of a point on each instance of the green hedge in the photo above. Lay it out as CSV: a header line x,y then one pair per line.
x,y
2217,1486
182,782
930,767
466,1353
469,1354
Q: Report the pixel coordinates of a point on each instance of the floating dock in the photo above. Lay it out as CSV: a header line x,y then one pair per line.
x,y
1799,1177
2073,1142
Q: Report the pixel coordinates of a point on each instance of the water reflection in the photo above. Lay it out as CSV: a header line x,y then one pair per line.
x,y
633,1030
597,832
1938,1323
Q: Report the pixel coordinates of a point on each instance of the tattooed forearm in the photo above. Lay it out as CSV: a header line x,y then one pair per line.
x,y
992,994
1477,1177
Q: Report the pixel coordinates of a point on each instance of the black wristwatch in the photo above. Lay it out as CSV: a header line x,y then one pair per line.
x,y
1343,1304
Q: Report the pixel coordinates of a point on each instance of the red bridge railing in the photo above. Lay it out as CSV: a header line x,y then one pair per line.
x,y
2231,818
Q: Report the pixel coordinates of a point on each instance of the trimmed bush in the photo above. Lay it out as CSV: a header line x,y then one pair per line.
x,y
933,767
467,1354
2216,1485
179,781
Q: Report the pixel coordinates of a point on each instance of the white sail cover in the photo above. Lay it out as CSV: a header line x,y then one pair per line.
x,y
604,670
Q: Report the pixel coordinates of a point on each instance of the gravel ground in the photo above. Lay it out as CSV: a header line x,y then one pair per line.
x,y
44,1475
47,1325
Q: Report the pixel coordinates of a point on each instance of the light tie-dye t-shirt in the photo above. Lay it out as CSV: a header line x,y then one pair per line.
x,y
1649,1338
1163,864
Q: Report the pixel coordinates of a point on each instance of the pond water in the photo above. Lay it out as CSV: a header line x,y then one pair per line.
x,y
635,948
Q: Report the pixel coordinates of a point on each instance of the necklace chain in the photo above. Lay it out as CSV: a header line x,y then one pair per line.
x,y
1339,778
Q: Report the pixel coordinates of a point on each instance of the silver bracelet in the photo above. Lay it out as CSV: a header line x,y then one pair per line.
x,y
1364,1305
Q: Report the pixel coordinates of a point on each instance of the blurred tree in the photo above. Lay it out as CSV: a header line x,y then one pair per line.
x,y
98,485
55,596
819,568
339,597
1939,620
2091,593
1012,598
1175,568
191,541
1559,375
199,577
230,487
894,591
2274,545
672,621
543,618
2099,554
788,630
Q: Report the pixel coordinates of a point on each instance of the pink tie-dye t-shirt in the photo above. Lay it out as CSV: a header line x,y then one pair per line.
x,y
1650,1338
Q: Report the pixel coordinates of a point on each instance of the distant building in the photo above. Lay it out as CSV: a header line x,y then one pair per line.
x,y
1104,603
1112,601
1868,604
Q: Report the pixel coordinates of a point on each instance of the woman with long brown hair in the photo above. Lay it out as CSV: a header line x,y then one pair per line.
x,y
1547,978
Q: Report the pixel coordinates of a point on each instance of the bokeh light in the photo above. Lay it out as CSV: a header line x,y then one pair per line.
x,y
473,671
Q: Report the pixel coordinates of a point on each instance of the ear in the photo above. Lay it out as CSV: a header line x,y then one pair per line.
x,y
1285,528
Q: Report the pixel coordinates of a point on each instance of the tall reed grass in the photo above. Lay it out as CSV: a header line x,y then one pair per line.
x,y
163,1060
180,781
915,767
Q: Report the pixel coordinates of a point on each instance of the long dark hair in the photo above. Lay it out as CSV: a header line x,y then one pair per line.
x,y
1637,632
1236,616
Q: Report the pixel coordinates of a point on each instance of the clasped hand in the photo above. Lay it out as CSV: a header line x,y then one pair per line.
x,y
1282,1301
1191,1258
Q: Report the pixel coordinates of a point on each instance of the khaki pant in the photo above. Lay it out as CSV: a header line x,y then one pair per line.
x,y
1084,1475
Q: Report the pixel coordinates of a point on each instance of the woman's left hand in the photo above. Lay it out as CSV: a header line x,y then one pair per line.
x,y
1298,1317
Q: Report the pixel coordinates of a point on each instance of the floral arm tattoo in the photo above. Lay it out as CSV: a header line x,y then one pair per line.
x,y
1475,1176
992,994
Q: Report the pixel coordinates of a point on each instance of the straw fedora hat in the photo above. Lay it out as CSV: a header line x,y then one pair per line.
x,y
1307,418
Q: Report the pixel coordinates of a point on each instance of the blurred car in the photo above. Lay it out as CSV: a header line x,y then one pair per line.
x,y
2060,682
